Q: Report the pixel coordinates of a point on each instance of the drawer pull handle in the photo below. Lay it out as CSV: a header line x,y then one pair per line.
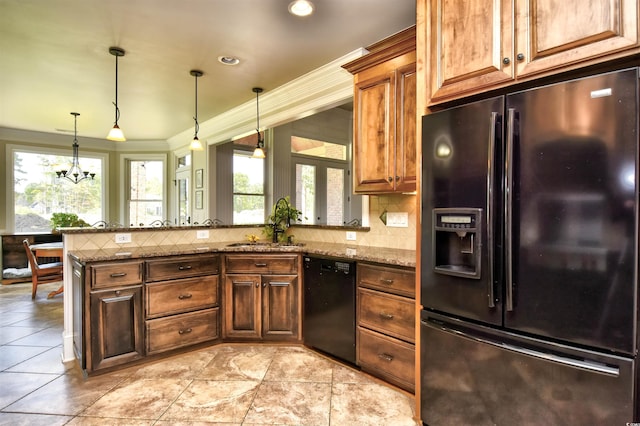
x,y
386,281
185,296
118,274
386,316
385,357
185,331
184,268
261,265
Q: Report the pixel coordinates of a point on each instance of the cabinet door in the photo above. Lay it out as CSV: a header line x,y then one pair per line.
x,y
405,157
116,327
555,34
374,134
242,306
471,46
280,306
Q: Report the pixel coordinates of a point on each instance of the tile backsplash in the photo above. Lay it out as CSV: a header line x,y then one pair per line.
x,y
379,235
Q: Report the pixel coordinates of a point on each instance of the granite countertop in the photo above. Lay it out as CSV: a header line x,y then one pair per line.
x,y
396,257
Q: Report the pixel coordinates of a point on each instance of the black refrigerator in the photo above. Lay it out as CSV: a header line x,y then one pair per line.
x,y
529,268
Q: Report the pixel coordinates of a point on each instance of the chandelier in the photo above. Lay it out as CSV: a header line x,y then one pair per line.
x,y
75,173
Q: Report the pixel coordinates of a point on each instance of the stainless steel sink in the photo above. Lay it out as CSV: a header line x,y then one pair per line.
x,y
264,244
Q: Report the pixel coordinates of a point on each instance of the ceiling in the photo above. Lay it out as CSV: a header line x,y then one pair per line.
x,y
54,57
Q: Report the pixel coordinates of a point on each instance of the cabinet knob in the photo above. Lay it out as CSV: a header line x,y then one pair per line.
x,y
506,61
397,178
520,57
257,285
185,331
185,296
390,179
184,268
264,285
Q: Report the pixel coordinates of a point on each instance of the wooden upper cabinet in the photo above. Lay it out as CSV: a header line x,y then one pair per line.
x,y
554,34
470,46
479,45
385,115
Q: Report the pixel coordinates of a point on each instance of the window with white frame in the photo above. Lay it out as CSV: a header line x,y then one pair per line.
x,y
38,192
248,188
145,192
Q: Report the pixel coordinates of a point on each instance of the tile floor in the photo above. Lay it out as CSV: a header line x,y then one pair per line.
x,y
221,385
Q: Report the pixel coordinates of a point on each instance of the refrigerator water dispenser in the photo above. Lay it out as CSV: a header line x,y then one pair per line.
x,y
457,241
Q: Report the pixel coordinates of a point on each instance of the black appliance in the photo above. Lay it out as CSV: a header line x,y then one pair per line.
x,y
529,262
329,322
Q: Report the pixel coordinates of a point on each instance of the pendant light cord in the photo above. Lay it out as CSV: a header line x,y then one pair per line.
x,y
196,117
116,102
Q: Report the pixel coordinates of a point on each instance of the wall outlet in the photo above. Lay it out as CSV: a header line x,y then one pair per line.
x,y
123,238
398,219
351,236
202,233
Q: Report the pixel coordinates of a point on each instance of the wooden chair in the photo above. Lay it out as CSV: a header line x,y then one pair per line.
x,y
46,272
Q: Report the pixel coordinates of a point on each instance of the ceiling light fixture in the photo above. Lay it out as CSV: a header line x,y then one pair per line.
x,y
301,8
259,151
196,145
228,60
115,134
75,173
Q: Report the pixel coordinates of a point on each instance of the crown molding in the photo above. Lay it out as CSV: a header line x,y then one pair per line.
x,y
323,88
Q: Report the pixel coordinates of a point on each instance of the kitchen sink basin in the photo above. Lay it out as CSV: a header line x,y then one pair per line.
x,y
264,244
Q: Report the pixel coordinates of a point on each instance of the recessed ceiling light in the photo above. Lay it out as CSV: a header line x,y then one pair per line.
x,y
228,60
301,8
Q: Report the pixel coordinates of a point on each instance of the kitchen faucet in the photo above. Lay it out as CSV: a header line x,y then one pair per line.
x,y
276,221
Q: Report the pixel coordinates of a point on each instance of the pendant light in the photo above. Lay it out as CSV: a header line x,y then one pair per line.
x,y
115,134
196,145
259,151
75,173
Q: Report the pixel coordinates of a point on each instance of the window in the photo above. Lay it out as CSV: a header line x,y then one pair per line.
x,y
146,189
321,173
248,188
38,192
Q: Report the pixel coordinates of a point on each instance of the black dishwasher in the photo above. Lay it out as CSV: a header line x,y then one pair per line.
x,y
329,322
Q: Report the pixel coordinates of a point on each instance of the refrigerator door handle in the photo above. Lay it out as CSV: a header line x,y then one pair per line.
x,y
583,364
490,197
508,211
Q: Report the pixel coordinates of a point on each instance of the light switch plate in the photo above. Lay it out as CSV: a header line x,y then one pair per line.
x,y
351,236
202,233
123,238
398,219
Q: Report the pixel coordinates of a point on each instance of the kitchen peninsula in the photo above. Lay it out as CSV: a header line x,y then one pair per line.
x,y
171,282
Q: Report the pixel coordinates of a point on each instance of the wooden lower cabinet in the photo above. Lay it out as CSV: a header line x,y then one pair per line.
x,y
261,307
116,327
386,357
177,331
385,335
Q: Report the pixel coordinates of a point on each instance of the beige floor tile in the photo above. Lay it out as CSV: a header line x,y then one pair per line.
x,y
15,419
16,385
299,365
138,399
370,404
185,366
12,355
49,361
287,403
239,363
213,401
48,337
68,394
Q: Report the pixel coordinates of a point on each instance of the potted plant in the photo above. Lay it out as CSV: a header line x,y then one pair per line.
x,y
66,220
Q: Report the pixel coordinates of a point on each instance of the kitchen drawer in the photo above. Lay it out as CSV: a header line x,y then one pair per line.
x,y
386,357
177,331
181,267
188,294
115,274
387,313
392,280
263,264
